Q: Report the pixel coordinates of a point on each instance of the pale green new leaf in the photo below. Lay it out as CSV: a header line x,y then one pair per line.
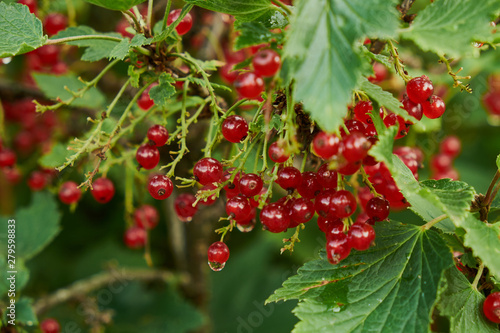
x,y
466,20
20,31
116,4
163,91
321,53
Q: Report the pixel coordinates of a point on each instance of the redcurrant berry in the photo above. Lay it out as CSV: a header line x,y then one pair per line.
x,y
328,178
337,248
207,171
147,156
377,208
234,128
146,217
491,307
211,199
391,120
355,147
360,236
419,89
266,62
160,187
311,185
183,206
69,193
238,208
380,73
249,85
326,145
54,22
451,146
7,158
274,217
250,184
48,54
218,254
184,25
352,126
158,135
326,224
145,102
289,178
37,181
323,201
441,162
364,195
433,108
135,237
233,188
32,5
349,168
362,111
301,211
50,325
342,204
277,153
103,190
491,101
413,109
451,174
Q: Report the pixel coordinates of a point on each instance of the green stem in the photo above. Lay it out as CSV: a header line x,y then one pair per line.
x,y
488,198
434,221
478,276
398,63
82,37
284,7
150,14
165,17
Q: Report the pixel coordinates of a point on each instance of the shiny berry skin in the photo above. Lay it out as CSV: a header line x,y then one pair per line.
x,y
301,211
491,307
326,224
274,217
337,248
342,204
211,199
391,120
289,178
37,181
135,237
184,25
7,158
250,184
419,89
249,85
433,108
413,109
32,5
352,126
145,102
311,185
362,111
277,154
218,252
327,178
364,195
207,171
238,208
266,62
160,187
378,208
146,217
349,168
103,190
441,162
234,128
232,188
48,54
69,193
50,325
322,202
54,22
183,206
360,236
326,145
147,156
355,147
451,146
158,135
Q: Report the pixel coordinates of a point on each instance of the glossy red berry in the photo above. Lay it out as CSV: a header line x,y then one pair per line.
x,y
491,307
266,62
325,224
355,147
103,190
238,208
234,128
147,156
419,89
277,153
311,186
451,146
37,181
394,120
183,206
327,178
207,171
146,217
218,254
362,111
249,85
326,145
211,199
50,325
378,208
69,193
289,178
54,22
322,202
352,126
7,158
337,248
158,135
413,109
364,195
32,5
361,236
349,168
274,217
380,73
433,108
441,162
301,211
184,25
232,188
160,187
250,184
145,102
135,237
342,204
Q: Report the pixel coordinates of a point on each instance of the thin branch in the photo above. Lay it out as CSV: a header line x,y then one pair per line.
x,y
456,78
82,37
405,6
434,221
478,276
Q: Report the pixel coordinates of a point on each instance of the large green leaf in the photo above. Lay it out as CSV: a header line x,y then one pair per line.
x,y
116,4
56,157
163,91
462,304
253,33
20,31
450,26
389,288
322,57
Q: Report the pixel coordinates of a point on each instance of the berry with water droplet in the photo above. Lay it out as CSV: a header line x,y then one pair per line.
x,y
218,254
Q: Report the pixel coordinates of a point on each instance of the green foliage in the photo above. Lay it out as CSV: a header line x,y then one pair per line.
x,y
498,162
390,287
384,98
116,4
121,50
254,33
163,91
56,157
20,31
321,53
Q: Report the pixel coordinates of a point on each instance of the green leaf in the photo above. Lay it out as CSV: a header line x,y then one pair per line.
x,y
321,55
462,304
54,88
20,31
22,275
24,312
253,33
120,5
203,83
163,91
498,162
134,75
391,287
466,20
383,59
97,49
121,50
56,157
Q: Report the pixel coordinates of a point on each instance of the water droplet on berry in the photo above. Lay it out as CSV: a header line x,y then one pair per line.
x,y
245,227
216,266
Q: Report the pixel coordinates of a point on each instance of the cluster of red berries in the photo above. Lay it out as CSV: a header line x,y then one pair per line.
x,y
146,218
442,163
103,190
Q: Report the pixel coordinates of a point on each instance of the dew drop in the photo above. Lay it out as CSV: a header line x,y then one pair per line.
x,y
336,309
245,227
216,266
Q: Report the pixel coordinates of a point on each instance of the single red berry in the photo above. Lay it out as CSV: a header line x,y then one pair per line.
x,y
146,217
69,193
441,162
433,108
121,28
362,218
266,62
145,102
232,188
211,199
183,206
277,154
274,217
250,184
362,111
59,68
50,325
337,248
413,109
160,187
491,102
327,178
323,201
311,186
48,54
54,22
7,158
249,85
135,237
378,208
301,211
158,135
419,89
451,146
234,128
218,254
32,5
227,73
289,178
349,168
355,147
37,181
364,195
103,190
370,131
380,73
391,120
352,126
147,156
360,236
326,224
491,307
342,204
207,171
238,208
184,25
326,145
451,174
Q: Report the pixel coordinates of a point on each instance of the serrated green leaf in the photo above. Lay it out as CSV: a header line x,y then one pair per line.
x,y
121,50
54,88
253,33
383,59
203,83
466,20
321,56
20,31
163,91
462,304
134,76
120,5
391,287
56,157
